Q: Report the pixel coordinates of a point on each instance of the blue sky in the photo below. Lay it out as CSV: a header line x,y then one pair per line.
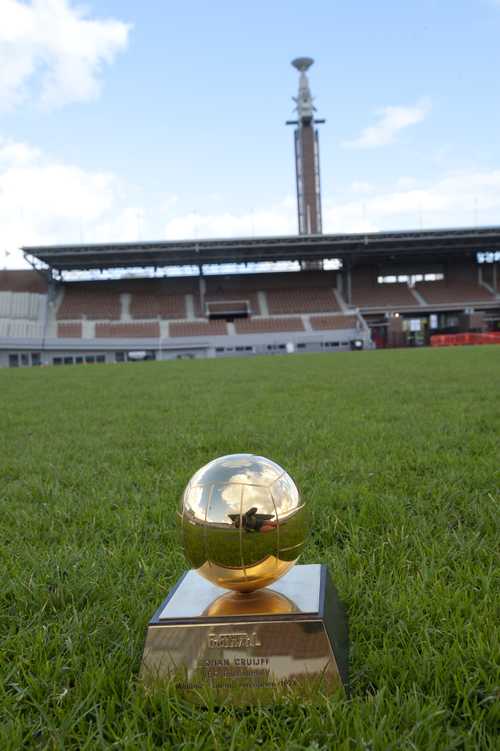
x,y
128,120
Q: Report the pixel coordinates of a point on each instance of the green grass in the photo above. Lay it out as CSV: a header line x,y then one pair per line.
x,y
395,451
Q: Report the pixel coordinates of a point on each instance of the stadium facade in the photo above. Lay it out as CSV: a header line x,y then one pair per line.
x,y
176,299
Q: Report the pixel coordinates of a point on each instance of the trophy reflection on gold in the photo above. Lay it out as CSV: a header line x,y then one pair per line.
x,y
280,627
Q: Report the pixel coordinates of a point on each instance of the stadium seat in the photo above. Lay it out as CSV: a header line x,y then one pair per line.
x,y
268,325
69,330
22,281
124,330
96,301
158,298
460,285
309,300
27,305
325,323
242,291
366,292
198,328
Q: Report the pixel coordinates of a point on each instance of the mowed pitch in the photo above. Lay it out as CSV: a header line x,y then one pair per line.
x,y
395,451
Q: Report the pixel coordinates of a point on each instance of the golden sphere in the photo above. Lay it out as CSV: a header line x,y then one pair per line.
x,y
243,522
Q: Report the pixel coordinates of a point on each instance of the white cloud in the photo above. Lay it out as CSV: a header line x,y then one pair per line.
x,y
390,121
168,201
277,220
405,183
44,201
457,199
52,51
361,186
15,152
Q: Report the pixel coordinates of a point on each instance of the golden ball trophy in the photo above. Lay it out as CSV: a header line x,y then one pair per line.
x,y
280,629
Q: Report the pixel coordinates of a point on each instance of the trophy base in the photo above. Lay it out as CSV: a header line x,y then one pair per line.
x,y
229,648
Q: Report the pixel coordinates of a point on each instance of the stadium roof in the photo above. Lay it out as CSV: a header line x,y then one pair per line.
x,y
84,257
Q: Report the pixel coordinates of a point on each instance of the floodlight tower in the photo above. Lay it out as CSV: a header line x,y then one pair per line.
x,y
307,154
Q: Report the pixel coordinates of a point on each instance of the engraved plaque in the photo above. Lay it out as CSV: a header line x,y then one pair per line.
x,y
243,657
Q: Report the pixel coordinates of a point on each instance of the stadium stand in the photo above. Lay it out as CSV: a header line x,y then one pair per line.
x,y
229,309
158,298
19,329
126,330
268,325
23,307
198,328
27,305
460,285
239,303
240,295
309,292
157,306
329,323
369,299
311,300
69,330
92,301
450,293
368,293
22,281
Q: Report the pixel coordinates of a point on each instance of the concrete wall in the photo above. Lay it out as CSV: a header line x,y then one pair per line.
x,y
171,349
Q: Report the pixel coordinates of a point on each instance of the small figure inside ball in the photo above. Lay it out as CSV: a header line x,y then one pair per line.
x,y
252,521
243,522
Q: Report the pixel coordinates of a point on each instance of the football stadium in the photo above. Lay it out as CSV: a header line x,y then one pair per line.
x,y
390,433
206,298
393,289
